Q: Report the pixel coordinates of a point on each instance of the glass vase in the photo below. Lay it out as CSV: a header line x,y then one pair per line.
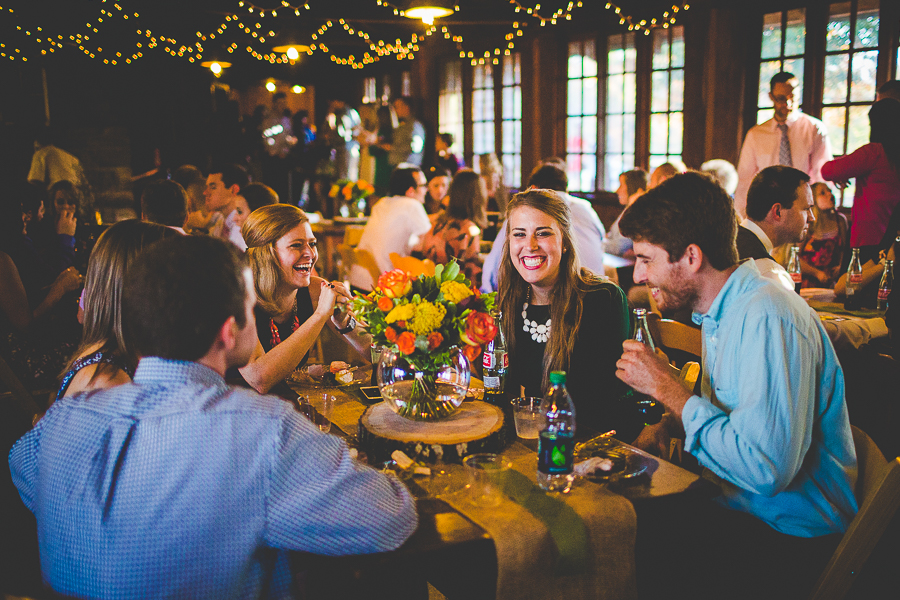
x,y
423,392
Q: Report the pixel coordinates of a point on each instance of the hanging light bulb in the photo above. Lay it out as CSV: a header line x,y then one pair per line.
x,y
428,10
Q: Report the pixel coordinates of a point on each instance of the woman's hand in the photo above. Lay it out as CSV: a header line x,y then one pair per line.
x,y
327,298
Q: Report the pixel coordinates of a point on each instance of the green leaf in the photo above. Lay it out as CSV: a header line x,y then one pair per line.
x,y
438,272
452,271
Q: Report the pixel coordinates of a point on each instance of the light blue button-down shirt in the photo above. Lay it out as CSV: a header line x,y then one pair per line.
x,y
179,486
772,421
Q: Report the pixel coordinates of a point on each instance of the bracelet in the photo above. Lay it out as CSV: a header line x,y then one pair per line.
x,y
351,325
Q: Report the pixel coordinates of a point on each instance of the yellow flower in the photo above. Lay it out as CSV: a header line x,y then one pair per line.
x,y
455,292
403,312
427,318
333,192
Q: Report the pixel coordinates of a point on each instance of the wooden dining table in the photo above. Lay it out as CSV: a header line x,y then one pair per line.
x,y
472,552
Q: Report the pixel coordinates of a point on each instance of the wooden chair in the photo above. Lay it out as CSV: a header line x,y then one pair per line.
x,y
878,496
412,265
674,335
357,256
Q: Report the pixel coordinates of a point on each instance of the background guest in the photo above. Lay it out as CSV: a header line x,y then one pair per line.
x,y
445,157
252,197
165,203
438,184
492,172
826,240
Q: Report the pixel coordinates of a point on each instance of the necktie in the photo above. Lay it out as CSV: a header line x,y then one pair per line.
x,y
784,150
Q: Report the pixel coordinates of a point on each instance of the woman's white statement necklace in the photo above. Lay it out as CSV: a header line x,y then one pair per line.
x,y
540,332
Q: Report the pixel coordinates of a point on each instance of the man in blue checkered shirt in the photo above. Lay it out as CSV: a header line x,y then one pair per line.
x,y
177,485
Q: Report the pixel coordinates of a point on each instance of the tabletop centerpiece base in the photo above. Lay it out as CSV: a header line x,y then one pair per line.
x,y
475,427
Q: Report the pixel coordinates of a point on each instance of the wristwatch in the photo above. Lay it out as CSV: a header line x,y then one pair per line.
x,y
351,325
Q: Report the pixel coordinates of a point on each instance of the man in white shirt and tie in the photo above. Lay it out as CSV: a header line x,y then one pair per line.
x,y
790,138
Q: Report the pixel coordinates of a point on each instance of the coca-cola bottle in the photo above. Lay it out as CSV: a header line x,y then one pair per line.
x,y
793,268
495,362
853,298
887,283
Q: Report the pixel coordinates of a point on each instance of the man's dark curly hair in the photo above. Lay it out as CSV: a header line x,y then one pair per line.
x,y
686,209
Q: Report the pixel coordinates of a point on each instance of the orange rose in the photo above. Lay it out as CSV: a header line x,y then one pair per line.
x,y
434,340
394,284
407,342
473,353
390,333
385,304
480,328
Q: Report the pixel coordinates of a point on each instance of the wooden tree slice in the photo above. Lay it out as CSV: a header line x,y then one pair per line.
x,y
475,427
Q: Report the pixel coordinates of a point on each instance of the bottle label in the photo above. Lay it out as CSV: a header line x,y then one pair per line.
x,y
555,453
883,294
855,278
492,383
796,277
493,360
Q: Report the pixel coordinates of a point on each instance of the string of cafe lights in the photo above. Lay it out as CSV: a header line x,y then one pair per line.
x,y
49,44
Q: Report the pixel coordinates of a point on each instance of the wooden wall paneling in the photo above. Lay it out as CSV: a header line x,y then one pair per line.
x,y
889,29
813,73
531,130
699,64
753,47
643,83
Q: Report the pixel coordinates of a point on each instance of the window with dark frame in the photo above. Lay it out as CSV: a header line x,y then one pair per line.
x,y
667,96
581,116
511,124
450,104
619,117
482,110
783,49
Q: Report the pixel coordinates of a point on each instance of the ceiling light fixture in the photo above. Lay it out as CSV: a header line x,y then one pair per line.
x,y
429,10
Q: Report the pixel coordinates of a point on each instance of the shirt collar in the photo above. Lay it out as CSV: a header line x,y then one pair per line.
x,y
737,282
748,224
162,371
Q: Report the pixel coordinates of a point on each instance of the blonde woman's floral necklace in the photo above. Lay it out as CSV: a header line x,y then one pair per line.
x,y
540,332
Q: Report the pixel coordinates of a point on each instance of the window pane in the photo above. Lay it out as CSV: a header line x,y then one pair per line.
x,y
656,160
766,71
866,24
614,133
590,96
614,94
837,32
589,135
795,40
677,47
574,60
676,131
676,101
614,165
589,64
764,115
659,97
573,134
509,135
615,58
573,171
862,84
660,48
628,134
858,131
659,129
834,123
835,79
629,92
771,36
517,103
588,173
574,97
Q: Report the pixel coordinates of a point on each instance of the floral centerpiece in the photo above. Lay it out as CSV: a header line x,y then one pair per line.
x,y
426,322
352,195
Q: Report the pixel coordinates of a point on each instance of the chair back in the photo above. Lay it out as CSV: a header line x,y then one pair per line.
x,y
412,265
674,335
363,258
878,497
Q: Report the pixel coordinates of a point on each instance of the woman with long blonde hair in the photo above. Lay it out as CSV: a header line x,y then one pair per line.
x,y
104,359
292,305
559,316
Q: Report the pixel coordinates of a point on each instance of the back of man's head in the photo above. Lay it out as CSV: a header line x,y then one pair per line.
x,y
403,178
549,177
232,174
164,202
179,293
635,181
771,186
666,171
889,89
686,209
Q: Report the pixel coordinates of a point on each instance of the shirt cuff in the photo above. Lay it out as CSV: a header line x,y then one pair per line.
x,y
696,412
66,240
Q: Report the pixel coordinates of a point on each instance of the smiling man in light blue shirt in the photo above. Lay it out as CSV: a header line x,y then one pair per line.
x,y
771,422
